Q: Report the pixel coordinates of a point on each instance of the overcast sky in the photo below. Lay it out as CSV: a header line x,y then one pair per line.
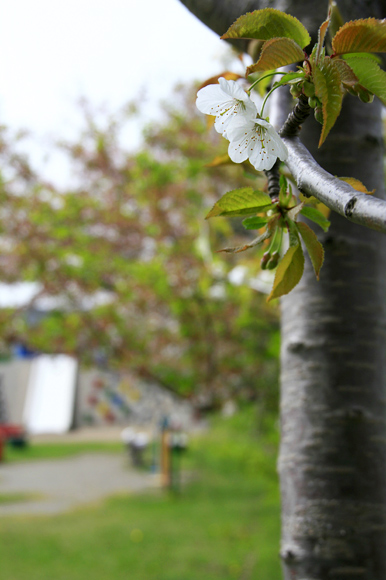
x,y
109,51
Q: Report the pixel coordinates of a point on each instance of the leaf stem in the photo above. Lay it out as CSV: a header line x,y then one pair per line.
x,y
262,78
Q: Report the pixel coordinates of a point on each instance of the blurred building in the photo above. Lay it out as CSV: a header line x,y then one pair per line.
x,y
53,394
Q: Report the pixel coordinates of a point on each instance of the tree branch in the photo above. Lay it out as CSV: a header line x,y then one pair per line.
x,y
310,177
298,115
339,196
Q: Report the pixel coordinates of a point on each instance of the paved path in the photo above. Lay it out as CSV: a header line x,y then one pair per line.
x,y
63,484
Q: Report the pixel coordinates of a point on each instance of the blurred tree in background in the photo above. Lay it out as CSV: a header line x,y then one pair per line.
x,y
127,253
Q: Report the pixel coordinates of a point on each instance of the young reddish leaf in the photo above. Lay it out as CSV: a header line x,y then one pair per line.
x,y
366,35
357,185
346,73
269,23
336,19
313,246
239,202
321,36
327,88
288,272
277,52
316,216
370,76
236,250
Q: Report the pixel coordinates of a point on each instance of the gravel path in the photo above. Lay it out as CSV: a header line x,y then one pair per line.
x,y
63,484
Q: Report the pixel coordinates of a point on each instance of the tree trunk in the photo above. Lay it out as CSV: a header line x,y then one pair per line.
x,y
332,460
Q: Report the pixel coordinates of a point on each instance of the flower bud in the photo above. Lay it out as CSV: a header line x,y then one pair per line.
x,y
351,89
295,91
264,260
364,95
273,261
313,102
308,89
318,114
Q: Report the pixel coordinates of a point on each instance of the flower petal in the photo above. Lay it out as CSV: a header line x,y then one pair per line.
x,y
211,100
273,139
257,140
232,89
280,148
238,152
225,101
262,158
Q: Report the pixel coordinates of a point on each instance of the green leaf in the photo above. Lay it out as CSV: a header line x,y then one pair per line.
x,y
288,272
269,23
369,55
239,202
277,52
365,35
316,216
327,88
369,75
313,246
255,223
291,77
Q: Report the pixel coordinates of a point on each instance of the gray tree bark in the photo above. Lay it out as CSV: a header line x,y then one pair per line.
x,y
332,462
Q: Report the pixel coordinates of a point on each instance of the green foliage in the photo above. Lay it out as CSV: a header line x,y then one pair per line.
x,y
240,202
125,255
226,514
327,77
9,498
43,451
316,216
255,223
314,247
369,75
278,216
289,272
324,79
269,23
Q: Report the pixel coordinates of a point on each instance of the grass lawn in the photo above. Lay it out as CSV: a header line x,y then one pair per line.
x,y
224,525
16,498
57,450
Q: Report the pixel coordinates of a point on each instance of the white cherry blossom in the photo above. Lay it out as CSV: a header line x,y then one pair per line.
x,y
227,102
256,140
